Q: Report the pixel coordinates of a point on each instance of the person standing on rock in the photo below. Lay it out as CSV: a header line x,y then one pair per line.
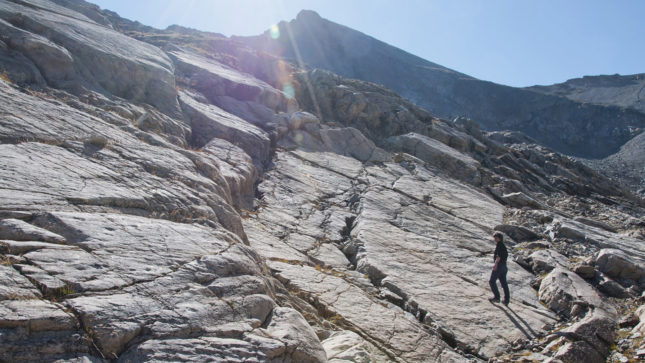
x,y
499,270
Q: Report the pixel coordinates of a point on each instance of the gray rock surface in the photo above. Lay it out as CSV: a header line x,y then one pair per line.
x,y
76,52
219,203
209,122
307,189
347,346
617,263
221,83
565,228
563,290
439,155
543,261
17,230
625,91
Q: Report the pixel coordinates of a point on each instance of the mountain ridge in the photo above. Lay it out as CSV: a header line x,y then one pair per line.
x,y
447,93
626,91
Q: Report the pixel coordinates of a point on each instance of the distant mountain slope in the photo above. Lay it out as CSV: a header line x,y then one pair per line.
x,y
623,91
627,165
569,126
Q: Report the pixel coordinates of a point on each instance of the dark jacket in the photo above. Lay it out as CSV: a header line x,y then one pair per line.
x,y
501,252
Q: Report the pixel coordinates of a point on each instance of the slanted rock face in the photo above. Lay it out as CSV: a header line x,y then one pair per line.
x,y
99,232
71,51
219,82
238,227
437,154
343,141
209,122
409,234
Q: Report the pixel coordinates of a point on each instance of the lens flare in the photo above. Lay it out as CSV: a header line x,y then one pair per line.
x,y
288,90
298,138
274,31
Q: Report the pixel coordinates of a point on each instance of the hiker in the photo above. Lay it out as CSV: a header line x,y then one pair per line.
x,y
499,270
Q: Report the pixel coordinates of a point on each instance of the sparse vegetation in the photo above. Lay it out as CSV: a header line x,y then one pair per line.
x,y
63,292
5,77
98,141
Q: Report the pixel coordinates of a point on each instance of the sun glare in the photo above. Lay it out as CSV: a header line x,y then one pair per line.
x,y
288,90
274,31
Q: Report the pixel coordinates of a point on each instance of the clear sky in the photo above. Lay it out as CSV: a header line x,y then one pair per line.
x,y
512,42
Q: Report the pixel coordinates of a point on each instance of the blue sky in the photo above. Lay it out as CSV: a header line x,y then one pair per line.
x,y
514,42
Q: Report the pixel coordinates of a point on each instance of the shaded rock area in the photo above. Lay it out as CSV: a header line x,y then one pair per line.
x,y
194,199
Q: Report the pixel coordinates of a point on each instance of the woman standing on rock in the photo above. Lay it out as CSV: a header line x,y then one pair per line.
x,y
499,270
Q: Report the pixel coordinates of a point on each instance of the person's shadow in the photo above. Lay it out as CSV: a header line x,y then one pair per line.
x,y
519,323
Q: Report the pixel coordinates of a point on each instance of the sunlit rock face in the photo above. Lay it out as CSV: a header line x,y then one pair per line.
x,y
174,195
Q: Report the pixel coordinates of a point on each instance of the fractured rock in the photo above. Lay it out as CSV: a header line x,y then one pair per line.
x,y
616,263
438,155
543,261
561,290
17,230
209,121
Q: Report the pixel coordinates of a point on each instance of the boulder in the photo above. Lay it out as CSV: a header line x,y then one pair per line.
x,y
561,290
15,286
34,328
237,168
543,261
640,313
351,142
299,119
347,346
302,344
517,233
346,141
593,337
616,263
567,228
585,271
612,288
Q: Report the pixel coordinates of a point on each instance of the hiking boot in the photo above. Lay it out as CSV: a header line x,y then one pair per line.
x,y
494,299
505,302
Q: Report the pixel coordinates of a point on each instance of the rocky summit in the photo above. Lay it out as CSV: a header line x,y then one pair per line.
x,y
177,195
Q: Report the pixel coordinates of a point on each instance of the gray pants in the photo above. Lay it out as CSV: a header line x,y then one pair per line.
x,y
501,275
